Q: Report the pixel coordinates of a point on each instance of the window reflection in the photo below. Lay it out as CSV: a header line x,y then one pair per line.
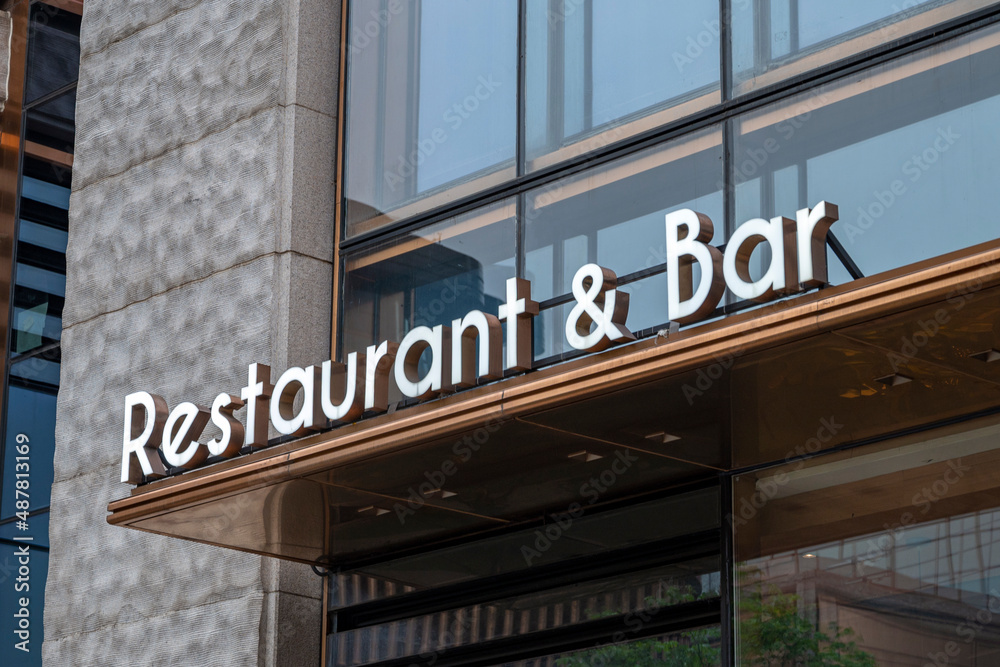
x,y
600,70
429,277
695,648
883,555
432,108
910,171
614,215
643,592
776,39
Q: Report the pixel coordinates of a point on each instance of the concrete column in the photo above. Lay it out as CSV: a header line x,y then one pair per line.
x,y
201,240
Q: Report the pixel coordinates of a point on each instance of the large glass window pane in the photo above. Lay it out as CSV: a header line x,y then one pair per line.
x,y
913,174
776,39
613,215
878,556
431,104
601,70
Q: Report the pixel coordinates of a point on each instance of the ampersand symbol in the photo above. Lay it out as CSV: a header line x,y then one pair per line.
x,y
599,306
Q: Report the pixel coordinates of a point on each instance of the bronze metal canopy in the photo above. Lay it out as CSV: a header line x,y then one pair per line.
x,y
866,360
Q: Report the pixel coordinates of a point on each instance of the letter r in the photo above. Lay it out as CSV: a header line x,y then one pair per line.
x,y
142,436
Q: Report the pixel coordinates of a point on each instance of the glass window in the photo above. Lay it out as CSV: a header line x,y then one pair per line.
x,y
51,124
913,173
694,648
637,594
588,535
601,70
53,50
638,579
429,277
884,555
776,39
613,215
432,90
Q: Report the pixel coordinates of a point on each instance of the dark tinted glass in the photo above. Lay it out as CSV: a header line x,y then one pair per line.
x,y
52,123
53,50
694,648
632,594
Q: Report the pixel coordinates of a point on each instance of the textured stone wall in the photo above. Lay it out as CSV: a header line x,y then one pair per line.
x,y
201,224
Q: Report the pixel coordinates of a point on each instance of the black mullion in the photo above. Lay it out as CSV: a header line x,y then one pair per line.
x,y
727,583
343,104
48,97
729,188
520,166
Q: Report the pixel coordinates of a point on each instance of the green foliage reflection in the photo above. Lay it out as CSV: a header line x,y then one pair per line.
x,y
774,632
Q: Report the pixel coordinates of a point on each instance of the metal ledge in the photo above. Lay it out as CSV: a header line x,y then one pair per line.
x,y
542,418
